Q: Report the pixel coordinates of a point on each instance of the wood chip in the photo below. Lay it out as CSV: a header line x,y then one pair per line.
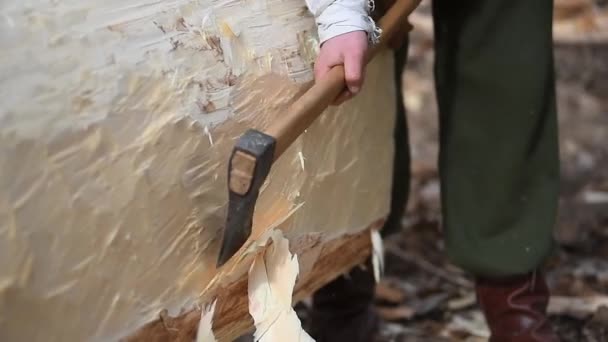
x,y
568,9
595,197
473,323
464,302
577,307
396,313
387,293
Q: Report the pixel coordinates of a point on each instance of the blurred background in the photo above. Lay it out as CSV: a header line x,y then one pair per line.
x,y
423,297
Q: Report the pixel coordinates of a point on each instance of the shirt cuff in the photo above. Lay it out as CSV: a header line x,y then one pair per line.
x,y
342,17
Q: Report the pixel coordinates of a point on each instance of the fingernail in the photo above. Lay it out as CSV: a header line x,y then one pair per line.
x,y
354,90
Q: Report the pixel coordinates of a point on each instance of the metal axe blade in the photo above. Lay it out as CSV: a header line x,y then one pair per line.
x,y
248,168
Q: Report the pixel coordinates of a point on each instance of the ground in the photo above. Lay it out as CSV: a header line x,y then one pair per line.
x,y
423,297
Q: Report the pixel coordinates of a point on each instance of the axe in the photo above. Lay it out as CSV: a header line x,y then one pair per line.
x,y
255,151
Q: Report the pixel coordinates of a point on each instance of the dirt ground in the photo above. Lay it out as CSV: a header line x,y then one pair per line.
x,y
425,298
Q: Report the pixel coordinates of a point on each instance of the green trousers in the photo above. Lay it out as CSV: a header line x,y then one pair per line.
x,y
498,161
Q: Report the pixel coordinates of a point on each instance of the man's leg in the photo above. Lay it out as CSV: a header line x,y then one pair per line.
x,y
401,163
499,153
342,310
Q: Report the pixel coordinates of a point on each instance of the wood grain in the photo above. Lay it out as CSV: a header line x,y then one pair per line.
x,y
232,317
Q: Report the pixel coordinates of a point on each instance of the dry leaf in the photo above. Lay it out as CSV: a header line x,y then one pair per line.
x,y
387,293
395,313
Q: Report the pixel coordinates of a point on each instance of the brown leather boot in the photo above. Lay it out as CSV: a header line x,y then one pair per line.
x,y
516,308
343,309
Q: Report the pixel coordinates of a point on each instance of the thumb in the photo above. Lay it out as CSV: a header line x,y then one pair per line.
x,y
353,72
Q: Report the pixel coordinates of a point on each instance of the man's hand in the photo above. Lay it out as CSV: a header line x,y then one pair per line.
x,y
349,50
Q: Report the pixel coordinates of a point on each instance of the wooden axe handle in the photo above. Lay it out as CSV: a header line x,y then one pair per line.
x,y
302,113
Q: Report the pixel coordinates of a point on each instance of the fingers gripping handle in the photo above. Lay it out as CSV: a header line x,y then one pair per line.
x,y
309,106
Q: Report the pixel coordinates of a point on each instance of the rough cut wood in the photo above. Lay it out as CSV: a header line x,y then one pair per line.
x,y
116,121
231,317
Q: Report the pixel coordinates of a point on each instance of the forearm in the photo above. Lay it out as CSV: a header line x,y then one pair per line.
x,y
336,17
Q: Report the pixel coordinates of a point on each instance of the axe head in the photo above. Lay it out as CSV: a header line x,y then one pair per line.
x,y
248,168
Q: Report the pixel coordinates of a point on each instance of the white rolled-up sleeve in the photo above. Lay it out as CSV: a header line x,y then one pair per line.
x,y
336,17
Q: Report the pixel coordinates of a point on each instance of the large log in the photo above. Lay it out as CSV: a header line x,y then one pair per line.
x,y
116,121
